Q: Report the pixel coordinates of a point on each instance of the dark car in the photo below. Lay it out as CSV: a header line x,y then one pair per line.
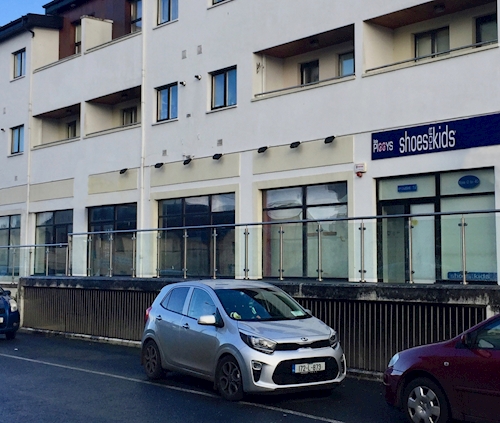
x,y
9,315
456,379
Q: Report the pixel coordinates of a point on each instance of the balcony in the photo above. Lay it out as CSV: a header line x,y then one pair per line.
x,y
57,126
317,60
428,32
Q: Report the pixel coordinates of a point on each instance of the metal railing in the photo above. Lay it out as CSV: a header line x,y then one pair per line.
x,y
456,247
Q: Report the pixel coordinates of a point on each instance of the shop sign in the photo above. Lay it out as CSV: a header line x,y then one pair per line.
x,y
474,276
454,135
469,181
408,188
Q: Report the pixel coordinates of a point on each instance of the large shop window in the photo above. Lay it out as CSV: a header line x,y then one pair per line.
x,y
428,249
193,248
299,241
52,228
10,234
112,253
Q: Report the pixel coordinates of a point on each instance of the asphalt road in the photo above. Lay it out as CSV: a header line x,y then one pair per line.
x,y
56,380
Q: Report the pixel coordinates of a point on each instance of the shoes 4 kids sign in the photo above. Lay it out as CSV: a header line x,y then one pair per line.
x,y
445,136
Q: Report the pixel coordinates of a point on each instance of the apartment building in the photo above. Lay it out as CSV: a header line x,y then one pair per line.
x,y
127,116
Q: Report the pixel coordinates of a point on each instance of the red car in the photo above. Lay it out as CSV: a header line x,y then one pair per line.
x,y
456,379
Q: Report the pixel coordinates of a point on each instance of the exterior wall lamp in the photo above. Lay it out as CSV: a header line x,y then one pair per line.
x,y
158,165
295,144
329,140
123,171
262,149
217,156
187,161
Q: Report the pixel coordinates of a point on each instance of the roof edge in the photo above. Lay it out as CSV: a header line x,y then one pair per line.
x,y
27,23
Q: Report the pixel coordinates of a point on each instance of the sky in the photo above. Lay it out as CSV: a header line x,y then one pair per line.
x,y
10,10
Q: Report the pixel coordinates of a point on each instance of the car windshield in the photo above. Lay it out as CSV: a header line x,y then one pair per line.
x,y
260,304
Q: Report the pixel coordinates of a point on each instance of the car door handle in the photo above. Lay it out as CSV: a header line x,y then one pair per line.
x,y
185,325
159,317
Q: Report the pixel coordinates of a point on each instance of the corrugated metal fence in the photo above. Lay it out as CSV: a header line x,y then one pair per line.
x,y
370,331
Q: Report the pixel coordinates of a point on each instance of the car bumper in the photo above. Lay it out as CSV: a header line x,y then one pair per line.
x,y
273,373
9,322
391,381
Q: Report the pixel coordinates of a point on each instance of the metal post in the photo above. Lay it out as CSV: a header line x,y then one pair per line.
x,y
410,251
134,254
13,263
281,232
47,261
110,255
185,253
89,255
362,252
464,257
246,269
68,247
158,246
214,264
320,254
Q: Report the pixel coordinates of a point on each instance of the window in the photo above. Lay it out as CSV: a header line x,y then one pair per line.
x,y
167,102
168,10
129,116
298,242
78,37
176,213
10,234
17,140
72,129
224,88
487,29
19,63
346,64
218,1
309,72
52,228
112,254
136,16
201,304
175,301
431,42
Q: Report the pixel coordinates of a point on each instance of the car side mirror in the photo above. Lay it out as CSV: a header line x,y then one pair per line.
x,y
210,320
466,340
6,292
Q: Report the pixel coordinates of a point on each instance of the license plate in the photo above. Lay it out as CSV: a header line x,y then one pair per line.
x,y
1,319
304,368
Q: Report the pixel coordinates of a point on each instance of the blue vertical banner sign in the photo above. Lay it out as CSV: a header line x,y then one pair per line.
x,y
454,135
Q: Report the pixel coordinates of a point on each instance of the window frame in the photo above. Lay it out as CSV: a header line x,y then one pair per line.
x,y
227,92
484,20
433,33
129,112
135,15
77,26
342,61
71,129
159,109
306,69
19,69
17,140
173,6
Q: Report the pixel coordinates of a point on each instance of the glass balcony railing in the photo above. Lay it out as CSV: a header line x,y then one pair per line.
x,y
434,248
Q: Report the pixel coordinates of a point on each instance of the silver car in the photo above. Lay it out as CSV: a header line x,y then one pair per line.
x,y
245,336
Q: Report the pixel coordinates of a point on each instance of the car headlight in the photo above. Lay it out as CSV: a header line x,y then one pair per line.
x,y
258,343
394,360
13,305
334,340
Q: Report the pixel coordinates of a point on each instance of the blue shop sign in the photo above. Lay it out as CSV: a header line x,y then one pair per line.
x,y
454,135
407,188
473,276
469,181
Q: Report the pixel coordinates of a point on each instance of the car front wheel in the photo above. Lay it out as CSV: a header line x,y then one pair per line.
x,y
229,382
151,361
425,402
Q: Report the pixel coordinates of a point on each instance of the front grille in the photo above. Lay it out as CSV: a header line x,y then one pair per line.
x,y
294,346
283,374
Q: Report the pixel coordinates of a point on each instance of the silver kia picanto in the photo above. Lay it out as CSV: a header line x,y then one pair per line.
x,y
245,336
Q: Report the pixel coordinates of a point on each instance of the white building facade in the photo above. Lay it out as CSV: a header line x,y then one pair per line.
x,y
220,113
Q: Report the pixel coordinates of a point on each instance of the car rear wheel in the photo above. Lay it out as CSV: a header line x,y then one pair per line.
x,y
10,335
151,360
229,381
425,402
